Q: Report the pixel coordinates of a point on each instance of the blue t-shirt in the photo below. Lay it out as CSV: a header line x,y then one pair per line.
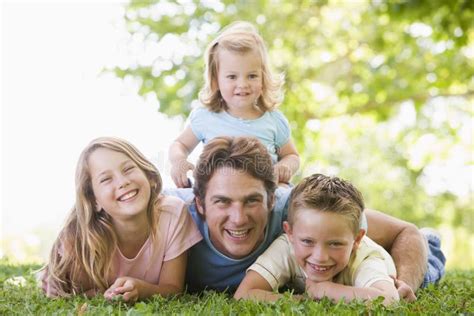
x,y
272,128
207,267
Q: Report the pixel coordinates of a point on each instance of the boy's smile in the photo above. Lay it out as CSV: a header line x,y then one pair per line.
x,y
323,243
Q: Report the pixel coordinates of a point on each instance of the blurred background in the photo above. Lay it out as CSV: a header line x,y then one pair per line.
x,y
380,93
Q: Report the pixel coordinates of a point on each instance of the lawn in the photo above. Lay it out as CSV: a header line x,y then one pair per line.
x,y
453,295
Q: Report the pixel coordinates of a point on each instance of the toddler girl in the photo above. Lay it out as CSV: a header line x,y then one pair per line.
x,y
122,237
240,97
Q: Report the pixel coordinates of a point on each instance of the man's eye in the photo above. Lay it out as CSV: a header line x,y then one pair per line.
x,y
335,244
221,202
253,201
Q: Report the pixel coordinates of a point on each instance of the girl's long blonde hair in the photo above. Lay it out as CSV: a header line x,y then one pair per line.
x,y
240,37
85,245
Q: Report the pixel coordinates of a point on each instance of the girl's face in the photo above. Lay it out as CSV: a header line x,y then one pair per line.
x,y
323,243
239,79
120,187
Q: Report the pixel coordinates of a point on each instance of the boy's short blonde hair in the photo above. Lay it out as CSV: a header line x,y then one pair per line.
x,y
327,194
240,37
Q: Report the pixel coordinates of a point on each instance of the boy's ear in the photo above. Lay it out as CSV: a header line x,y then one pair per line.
x,y
200,206
358,238
287,229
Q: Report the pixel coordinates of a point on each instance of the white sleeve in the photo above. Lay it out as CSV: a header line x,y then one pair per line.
x,y
275,264
371,270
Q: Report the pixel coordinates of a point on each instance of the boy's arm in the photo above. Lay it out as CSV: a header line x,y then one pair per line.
x,y
336,291
255,287
288,162
404,243
178,155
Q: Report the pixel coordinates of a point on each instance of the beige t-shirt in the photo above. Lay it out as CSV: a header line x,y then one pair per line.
x,y
278,266
177,232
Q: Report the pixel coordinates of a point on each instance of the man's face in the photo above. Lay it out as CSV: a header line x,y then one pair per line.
x,y
236,211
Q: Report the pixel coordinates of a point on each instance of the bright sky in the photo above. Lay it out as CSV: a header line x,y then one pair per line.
x,y
54,101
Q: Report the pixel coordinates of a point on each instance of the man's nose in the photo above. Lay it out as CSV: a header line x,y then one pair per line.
x,y
238,215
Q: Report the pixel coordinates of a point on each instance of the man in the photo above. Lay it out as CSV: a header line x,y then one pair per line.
x,y
240,212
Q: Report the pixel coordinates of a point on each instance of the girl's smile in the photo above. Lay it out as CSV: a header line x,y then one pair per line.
x,y
120,187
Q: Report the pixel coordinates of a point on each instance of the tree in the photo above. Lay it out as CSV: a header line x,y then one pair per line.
x,y
380,93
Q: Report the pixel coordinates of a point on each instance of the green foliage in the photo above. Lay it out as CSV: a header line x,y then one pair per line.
x,y
378,92
454,295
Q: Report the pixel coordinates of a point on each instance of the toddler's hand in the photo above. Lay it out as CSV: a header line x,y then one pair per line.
x,y
178,173
282,173
126,288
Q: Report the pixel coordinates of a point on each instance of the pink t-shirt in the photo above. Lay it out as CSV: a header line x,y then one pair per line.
x,y
177,232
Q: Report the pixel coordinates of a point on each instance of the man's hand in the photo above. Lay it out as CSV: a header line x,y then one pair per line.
x,y
126,287
404,290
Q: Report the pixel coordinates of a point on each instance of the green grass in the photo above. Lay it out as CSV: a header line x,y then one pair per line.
x,y
453,295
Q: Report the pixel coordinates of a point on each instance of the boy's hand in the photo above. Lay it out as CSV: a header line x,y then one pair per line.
x,y
404,290
282,173
178,173
316,290
125,287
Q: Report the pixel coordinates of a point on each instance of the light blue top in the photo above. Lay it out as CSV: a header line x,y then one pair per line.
x,y
272,128
207,267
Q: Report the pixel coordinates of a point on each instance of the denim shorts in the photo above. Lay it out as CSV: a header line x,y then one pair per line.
x,y
436,260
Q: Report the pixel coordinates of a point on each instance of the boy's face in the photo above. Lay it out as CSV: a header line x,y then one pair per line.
x,y
323,243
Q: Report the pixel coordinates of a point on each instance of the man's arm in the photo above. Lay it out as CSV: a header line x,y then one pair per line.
x,y
404,242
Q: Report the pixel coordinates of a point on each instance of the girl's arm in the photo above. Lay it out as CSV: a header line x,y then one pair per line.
x,y
288,162
178,155
255,287
171,282
336,291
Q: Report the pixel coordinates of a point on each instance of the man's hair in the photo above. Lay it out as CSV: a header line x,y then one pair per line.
x,y
246,154
327,194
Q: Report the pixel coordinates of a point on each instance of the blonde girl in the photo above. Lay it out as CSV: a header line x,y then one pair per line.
x,y
239,98
122,237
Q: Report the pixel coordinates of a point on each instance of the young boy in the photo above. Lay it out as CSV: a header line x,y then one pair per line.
x,y
324,251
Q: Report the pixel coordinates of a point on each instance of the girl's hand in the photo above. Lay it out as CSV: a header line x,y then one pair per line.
x,y
282,173
178,173
126,287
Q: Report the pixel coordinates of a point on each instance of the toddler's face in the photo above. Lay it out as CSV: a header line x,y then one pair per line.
x,y
323,242
239,79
